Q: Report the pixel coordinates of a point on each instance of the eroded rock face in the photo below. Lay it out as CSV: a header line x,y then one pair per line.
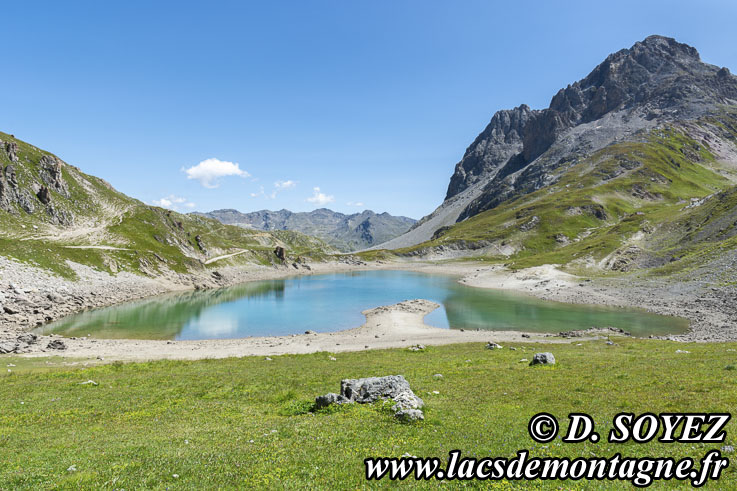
x,y
51,174
657,80
500,140
11,148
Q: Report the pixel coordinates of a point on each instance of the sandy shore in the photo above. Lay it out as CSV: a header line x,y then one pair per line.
x,y
394,326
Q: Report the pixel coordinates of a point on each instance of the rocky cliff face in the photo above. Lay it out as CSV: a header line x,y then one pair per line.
x,y
24,188
656,81
345,232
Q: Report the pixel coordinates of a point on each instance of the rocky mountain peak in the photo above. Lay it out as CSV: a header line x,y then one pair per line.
x,y
501,137
657,79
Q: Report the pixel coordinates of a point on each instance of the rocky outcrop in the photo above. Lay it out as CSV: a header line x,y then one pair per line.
x,y
655,81
37,191
51,174
368,390
493,148
11,148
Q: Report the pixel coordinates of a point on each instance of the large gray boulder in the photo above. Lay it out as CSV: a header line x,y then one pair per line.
x,y
543,359
367,390
371,389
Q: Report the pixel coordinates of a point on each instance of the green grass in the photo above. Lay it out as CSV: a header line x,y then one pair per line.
x,y
246,423
599,202
158,239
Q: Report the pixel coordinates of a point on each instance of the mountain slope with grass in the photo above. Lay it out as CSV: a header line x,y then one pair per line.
x,y
345,232
633,167
53,214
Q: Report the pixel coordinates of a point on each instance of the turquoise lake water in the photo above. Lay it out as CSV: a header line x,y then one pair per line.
x,y
333,302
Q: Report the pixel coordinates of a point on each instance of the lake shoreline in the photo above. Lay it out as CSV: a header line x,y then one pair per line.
x,y
709,320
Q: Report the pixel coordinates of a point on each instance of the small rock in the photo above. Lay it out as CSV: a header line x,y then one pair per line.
x,y
268,359
332,358
682,351
728,449
438,375
89,382
417,347
310,332
57,344
610,343
493,345
543,359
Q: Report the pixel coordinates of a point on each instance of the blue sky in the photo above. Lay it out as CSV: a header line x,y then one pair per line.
x,y
373,103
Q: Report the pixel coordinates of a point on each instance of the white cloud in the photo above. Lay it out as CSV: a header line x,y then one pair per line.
x,y
279,186
209,171
355,203
320,198
173,202
282,185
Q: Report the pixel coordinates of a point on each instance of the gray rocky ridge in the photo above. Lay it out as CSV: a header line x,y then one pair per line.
x,y
656,81
344,232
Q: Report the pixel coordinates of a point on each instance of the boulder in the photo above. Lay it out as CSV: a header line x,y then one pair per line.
x,y
57,344
543,359
372,389
280,253
6,348
27,338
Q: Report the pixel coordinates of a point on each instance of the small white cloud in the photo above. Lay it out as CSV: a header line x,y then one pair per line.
x,y
173,202
209,171
320,198
282,185
355,203
279,186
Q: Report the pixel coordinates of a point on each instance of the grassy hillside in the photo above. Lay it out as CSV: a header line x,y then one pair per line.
x,y
637,204
89,222
246,423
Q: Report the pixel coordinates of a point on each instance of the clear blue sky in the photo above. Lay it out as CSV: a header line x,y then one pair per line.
x,y
373,102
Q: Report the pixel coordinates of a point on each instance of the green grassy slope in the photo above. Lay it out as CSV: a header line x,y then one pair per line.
x,y
137,237
245,423
627,194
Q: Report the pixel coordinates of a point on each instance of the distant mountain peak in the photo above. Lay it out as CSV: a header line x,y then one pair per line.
x,y
345,232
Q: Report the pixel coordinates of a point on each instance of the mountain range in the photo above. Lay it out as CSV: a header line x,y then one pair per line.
x,y
633,166
345,232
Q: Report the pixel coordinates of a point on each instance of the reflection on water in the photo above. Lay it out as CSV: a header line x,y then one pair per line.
x,y
333,302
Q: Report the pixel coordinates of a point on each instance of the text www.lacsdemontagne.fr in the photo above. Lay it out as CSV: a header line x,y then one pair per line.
x,y
641,472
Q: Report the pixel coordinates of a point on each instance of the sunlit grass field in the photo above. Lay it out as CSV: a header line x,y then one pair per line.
x,y
247,423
